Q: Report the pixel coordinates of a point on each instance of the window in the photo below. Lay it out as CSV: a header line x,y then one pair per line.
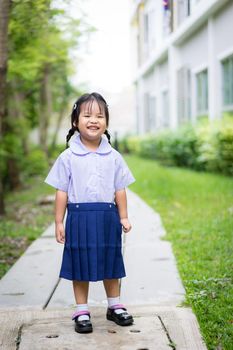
x,y
183,94
183,10
146,28
167,17
149,32
202,92
227,82
150,112
165,104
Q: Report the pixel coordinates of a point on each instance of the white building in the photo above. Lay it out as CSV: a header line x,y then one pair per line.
x,y
183,61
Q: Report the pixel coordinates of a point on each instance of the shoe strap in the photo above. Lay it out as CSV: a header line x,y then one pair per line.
x,y
80,313
118,306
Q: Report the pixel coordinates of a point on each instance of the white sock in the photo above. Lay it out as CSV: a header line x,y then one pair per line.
x,y
114,301
82,307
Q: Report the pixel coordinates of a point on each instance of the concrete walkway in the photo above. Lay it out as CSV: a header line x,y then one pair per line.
x,y
36,307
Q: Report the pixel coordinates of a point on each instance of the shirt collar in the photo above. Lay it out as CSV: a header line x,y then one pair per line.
x,y
78,147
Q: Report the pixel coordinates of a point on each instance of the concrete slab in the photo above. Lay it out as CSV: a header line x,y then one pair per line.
x,y
50,231
32,279
182,326
53,329
152,276
36,336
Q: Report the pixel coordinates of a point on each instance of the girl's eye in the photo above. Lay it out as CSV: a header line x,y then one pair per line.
x,y
86,116
100,116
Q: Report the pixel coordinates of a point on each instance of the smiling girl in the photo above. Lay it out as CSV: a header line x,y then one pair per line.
x,y
90,178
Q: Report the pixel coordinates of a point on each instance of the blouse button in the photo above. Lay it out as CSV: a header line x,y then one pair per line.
x,y
110,206
77,206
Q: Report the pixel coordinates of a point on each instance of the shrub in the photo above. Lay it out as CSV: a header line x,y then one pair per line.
x,y
133,144
224,141
55,151
183,147
35,162
10,149
205,146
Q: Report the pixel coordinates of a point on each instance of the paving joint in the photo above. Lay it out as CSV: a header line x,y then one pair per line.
x,y
171,342
51,294
19,336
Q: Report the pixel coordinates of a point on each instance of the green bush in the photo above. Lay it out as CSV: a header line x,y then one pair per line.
x,y
224,140
133,144
123,145
181,147
55,151
35,163
10,149
205,146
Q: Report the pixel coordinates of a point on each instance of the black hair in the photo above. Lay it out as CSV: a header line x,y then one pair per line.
x,y
94,96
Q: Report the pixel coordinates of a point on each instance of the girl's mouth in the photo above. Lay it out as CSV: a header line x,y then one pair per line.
x,y
93,128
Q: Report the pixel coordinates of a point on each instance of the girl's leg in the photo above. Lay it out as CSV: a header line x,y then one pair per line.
x,y
81,315
115,312
81,291
112,288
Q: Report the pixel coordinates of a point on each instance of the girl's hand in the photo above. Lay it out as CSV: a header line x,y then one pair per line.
x,y
126,225
60,233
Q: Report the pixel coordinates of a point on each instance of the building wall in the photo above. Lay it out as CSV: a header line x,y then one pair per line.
x,y
223,28
179,77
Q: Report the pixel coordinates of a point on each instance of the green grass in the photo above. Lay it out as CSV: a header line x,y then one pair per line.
x,y
24,221
197,212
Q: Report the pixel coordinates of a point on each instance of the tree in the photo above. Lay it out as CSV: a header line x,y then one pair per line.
x,y
4,20
37,72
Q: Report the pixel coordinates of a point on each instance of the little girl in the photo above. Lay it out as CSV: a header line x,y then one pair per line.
x,y
90,178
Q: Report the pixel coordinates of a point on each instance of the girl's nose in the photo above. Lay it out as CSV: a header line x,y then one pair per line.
x,y
93,120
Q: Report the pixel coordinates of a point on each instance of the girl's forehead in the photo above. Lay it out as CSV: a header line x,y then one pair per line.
x,y
92,107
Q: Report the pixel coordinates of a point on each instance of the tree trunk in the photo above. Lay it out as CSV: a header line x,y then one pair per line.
x,y
4,20
16,109
46,108
57,128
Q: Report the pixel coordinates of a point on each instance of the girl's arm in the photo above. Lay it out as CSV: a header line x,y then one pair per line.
x,y
60,208
121,202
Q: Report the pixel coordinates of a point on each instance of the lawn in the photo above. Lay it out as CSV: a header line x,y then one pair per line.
x,y
197,212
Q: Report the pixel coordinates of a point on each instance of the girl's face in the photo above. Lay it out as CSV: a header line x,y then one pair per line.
x,y
92,121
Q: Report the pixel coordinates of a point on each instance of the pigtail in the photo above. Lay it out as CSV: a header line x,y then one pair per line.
x,y
69,135
108,136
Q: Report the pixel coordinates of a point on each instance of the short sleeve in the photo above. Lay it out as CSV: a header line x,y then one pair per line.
x,y
59,175
123,176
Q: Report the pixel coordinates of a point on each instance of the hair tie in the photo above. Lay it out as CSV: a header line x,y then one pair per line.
x,y
75,106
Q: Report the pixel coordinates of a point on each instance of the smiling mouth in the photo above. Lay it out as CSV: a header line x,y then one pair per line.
x,y
92,128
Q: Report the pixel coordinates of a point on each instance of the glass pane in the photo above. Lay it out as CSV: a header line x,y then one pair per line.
x,y
202,92
227,81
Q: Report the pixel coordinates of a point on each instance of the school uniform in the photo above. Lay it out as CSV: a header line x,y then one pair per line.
x,y
92,249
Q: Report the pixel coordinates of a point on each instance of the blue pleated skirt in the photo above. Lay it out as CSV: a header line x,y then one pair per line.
x,y
93,248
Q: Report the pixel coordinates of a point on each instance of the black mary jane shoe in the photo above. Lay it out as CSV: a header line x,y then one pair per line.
x,y
84,326
122,319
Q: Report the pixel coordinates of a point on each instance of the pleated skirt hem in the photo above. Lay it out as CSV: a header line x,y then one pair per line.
x,y
70,278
